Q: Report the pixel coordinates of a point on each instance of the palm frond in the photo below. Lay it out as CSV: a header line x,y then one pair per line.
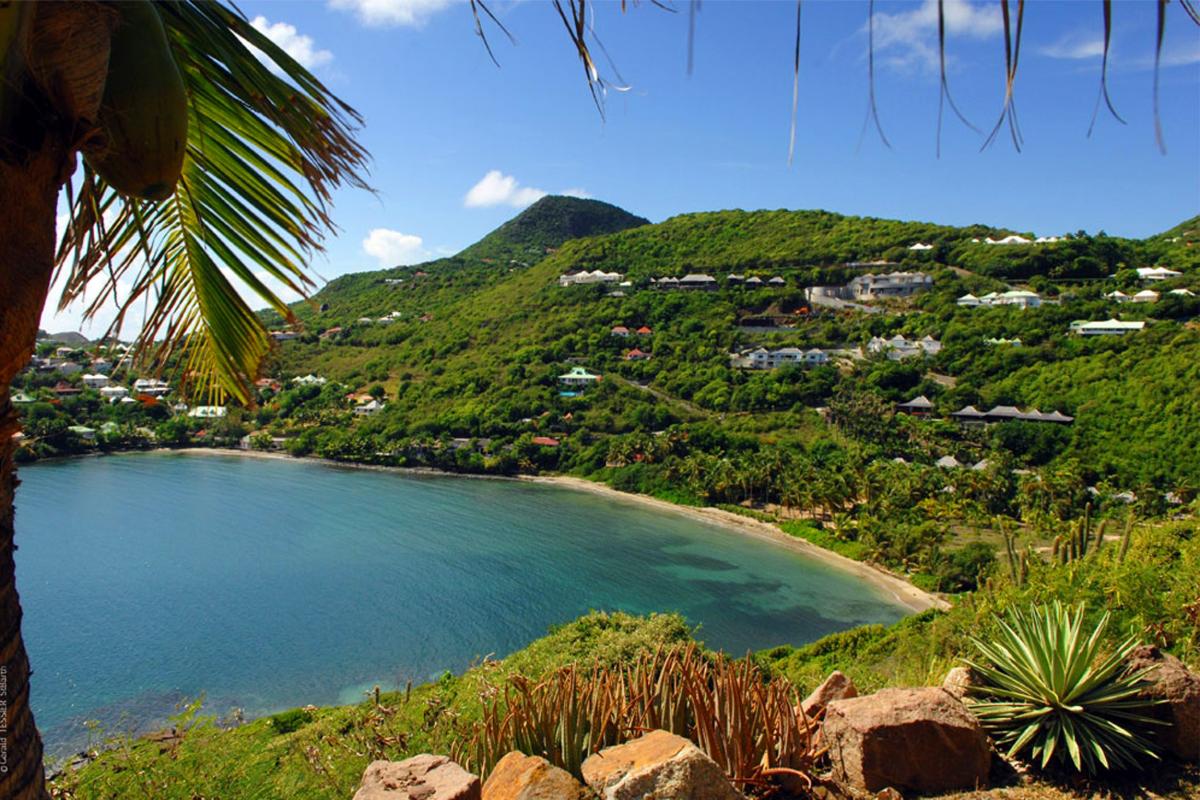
x,y
267,146
1103,95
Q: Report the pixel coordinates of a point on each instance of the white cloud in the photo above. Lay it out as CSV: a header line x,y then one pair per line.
x,y
292,42
496,189
908,39
390,13
393,248
575,191
1075,47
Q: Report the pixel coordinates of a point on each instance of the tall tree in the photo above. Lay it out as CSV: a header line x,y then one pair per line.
x,y
258,146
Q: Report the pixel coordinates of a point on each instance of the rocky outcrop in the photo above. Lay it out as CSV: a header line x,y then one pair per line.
x,y
422,777
659,765
837,686
959,682
522,777
921,740
1178,690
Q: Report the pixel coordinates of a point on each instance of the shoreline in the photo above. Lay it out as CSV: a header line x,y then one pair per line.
x,y
899,589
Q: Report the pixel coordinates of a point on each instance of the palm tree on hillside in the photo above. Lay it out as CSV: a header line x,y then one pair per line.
x,y
208,158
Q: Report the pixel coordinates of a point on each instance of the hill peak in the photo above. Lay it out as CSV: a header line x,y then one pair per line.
x,y
555,219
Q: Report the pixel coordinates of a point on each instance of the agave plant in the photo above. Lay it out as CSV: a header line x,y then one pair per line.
x,y
752,727
1048,688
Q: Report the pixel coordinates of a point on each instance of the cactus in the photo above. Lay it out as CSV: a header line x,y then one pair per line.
x,y
1100,535
1125,538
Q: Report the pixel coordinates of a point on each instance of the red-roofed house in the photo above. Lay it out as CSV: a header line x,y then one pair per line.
x,y
545,441
644,331
620,330
637,355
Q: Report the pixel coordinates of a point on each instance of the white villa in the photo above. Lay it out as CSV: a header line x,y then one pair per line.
x,y
919,246
1157,273
309,380
898,348
893,284
151,386
208,412
1117,296
95,380
1011,239
1110,327
585,277
114,393
1182,292
697,281
1017,297
1145,296
368,408
285,336
762,358
578,376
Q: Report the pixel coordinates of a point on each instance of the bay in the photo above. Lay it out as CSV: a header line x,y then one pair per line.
x,y
261,584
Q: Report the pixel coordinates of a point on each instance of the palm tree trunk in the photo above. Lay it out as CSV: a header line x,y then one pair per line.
x,y
30,191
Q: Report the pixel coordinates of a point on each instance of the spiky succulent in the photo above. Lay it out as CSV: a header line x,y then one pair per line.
x,y
1047,687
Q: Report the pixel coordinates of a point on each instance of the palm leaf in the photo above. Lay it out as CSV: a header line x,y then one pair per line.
x,y
267,146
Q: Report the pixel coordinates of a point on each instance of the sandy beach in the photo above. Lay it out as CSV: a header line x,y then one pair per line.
x,y
900,589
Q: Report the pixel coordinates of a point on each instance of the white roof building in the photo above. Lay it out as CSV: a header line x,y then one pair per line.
x,y
920,246
95,381
584,277
309,380
1146,296
1117,296
1182,292
1109,327
114,393
1157,273
208,412
368,408
969,301
1011,239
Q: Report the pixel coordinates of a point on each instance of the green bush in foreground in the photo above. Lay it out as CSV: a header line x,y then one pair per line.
x,y
1047,688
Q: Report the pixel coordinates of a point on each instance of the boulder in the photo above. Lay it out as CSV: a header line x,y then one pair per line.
x,y
837,686
422,777
1179,690
921,740
522,777
959,681
660,765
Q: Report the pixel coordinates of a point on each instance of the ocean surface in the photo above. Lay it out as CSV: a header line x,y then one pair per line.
x,y
148,579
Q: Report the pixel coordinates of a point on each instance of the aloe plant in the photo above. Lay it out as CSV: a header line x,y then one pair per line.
x,y
1048,687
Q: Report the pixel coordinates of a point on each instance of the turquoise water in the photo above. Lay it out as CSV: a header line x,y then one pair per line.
x,y
265,585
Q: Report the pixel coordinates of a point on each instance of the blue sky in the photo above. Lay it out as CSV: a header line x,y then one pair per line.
x,y
459,146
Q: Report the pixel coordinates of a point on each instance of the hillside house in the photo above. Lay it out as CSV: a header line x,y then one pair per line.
x,y
1117,296
1145,296
95,380
1154,274
1019,298
762,358
20,398
1008,240
969,415
114,393
83,432
579,377
208,412
969,301
920,406
920,247
644,331
309,380
734,279
64,389
698,281
777,281
899,348
101,365
1108,327
637,355
1182,292
370,407
754,281
151,386
285,336
66,367
620,330
893,284
585,277
545,441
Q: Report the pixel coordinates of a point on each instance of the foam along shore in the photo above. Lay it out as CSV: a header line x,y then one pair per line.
x,y
898,588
